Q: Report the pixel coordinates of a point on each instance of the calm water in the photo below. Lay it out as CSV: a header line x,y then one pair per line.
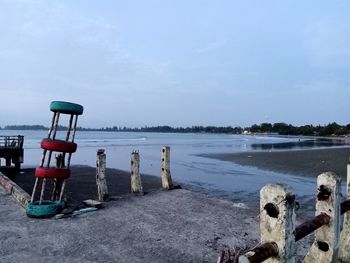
x,y
220,178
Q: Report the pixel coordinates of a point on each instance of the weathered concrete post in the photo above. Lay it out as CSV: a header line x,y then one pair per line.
x,y
277,220
326,243
167,182
136,184
101,182
344,246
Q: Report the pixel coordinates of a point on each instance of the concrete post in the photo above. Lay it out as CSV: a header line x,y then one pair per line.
x,y
167,182
136,184
326,243
344,246
101,182
277,220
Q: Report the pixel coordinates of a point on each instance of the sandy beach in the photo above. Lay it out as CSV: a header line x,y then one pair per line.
x,y
161,226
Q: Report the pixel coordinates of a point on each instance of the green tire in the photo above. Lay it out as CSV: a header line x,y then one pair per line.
x,y
46,209
66,107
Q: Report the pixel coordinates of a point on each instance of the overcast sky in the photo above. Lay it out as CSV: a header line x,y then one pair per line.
x,y
179,63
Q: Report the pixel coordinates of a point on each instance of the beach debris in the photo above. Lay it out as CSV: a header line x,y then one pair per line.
x,y
232,255
93,203
101,181
61,169
76,213
70,209
136,183
240,205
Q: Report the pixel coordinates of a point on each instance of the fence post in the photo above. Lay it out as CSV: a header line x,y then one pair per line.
x,y
102,190
344,246
277,220
326,243
167,182
136,184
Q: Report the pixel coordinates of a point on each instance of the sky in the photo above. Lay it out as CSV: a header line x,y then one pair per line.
x,y
179,63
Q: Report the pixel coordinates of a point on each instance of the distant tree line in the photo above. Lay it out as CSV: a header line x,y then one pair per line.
x,y
332,129
288,129
24,127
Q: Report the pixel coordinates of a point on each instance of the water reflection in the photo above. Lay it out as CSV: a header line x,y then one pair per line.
x,y
301,144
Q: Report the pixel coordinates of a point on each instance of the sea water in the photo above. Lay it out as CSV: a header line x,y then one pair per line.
x,y
216,177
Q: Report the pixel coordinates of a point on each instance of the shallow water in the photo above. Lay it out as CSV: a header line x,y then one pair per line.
x,y
216,177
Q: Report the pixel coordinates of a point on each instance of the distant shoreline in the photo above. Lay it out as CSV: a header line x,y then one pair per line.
x,y
276,129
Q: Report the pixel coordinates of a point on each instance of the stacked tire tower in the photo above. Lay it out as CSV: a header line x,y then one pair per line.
x,y
54,170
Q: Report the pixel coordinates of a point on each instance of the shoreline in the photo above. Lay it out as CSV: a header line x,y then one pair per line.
x,y
310,162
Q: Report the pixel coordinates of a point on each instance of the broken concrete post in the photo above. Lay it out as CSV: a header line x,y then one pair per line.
x,y
344,246
101,182
136,184
326,243
277,220
167,182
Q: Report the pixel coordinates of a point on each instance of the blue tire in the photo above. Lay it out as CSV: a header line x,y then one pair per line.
x,y
46,209
66,107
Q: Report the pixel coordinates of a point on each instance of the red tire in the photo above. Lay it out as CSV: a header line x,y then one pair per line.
x,y
58,146
57,173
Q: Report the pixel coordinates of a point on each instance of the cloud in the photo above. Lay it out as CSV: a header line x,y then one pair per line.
x,y
53,54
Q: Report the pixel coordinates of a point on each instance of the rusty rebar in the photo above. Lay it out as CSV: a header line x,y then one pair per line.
x,y
270,249
310,226
262,252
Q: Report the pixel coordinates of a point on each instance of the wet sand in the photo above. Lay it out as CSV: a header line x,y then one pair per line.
x,y
297,162
82,183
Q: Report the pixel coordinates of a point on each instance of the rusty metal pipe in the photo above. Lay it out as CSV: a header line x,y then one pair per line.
x,y
310,226
267,250
261,253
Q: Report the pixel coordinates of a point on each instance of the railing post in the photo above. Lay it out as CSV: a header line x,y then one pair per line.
x,y
277,220
344,246
167,182
136,184
326,243
102,189
277,224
